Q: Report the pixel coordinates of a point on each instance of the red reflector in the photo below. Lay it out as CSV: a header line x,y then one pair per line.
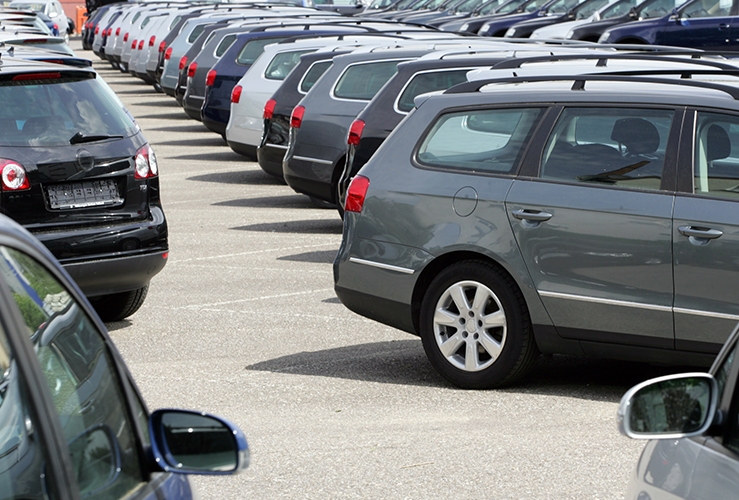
x,y
356,194
236,93
210,78
355,133
152,40
162,46
269,109
125,37
37,76
192,69
297,117
165,255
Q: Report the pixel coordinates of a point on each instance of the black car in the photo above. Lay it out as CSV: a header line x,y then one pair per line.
x,y
77,172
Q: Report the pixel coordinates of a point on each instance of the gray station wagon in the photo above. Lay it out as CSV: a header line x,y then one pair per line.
x,y
588,215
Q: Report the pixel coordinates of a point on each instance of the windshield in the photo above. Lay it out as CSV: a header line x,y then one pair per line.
x,y
618,9
534,5
467,5
510,6
587,9
51,112
562,6
658,8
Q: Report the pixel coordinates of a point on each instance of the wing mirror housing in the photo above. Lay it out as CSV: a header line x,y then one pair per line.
x,y
189,442
671,407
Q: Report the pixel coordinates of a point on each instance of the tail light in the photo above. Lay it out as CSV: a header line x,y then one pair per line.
x,y
269,109
133,45
356,194
296,119
210,78
152,40
125,37
162,46
97,29
141,44
355,133
167,54
236,93
183,62
13,175
110,30
117,31
146,163
192,69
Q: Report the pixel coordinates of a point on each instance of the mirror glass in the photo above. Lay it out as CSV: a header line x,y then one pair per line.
x,y
199,443
671,406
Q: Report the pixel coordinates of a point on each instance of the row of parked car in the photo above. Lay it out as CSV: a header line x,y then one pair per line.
x,y
501,198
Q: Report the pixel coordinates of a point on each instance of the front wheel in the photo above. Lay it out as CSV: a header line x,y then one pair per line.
x,y
475,327
117,306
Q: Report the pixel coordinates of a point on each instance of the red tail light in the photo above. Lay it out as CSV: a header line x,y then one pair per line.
x,y
297,117
117,32
355,133
162,46
183,62
133,45
146,163
97,29
210,78
192,69
141,44
269,109
236,93
356,194
125,37
36,76
110,30
152,40
13,175
168,54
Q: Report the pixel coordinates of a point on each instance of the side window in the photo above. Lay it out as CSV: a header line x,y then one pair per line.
x,y
707,8
363,81
608,146
716,150
429,82
23,457
491,140
81,376
313,74
225,44
283,63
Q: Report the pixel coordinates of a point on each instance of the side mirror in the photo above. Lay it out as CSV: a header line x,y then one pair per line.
x,y
674,16
196,443
669,407
633,14
97,459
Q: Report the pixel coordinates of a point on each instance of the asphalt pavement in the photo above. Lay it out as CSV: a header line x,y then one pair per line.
x,y
243,322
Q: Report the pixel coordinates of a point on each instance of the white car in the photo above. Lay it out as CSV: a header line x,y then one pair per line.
x,y
52,8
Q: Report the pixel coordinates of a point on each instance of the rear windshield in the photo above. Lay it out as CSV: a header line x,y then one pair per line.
x,y
225,44
429,82
362,81
283,63
51,112
313,74
251,51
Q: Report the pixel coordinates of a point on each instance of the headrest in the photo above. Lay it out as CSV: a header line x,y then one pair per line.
x,y
637,134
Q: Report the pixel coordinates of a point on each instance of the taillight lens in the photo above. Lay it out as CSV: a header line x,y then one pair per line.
x,y
269,109
141,45
117,32
356,194
236,93
168,53
13,175
97,29
355,133
110,30
133,45
183,62
296,119
210,78
152,40
192,69
162,46
146,163
125,37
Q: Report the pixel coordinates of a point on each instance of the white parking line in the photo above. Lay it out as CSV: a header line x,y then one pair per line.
x,y
253,299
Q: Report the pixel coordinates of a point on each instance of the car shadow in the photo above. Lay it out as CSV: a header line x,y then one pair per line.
x,y
252,177
211,157
209,142
184,128
296,201
164,103
176,115
142,90
320,226
322,257
404,362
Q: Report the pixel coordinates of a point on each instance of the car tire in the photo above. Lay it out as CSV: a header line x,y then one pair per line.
x,y
467,353
118,306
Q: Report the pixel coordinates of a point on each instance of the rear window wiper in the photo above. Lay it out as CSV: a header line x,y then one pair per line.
x,y
79,138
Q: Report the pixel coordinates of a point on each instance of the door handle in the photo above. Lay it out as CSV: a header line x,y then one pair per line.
x,y
723,26
700,232
532,215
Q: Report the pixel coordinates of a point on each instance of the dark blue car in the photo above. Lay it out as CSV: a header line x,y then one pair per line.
x,y
701,24
529,10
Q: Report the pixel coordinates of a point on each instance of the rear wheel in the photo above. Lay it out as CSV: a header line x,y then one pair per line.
x,y
475,327
118,306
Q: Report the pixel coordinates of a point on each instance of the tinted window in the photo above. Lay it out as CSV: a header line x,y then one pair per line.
x,y
659,8
283,63
225,44
490,140
81,375
251,51
51,112
313,74
588,9
608,146
362,81
429,82
716,165
618,9
707,8
195,33
174,21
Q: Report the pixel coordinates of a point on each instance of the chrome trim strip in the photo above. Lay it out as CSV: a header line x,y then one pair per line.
x,y
610,302
695,312
381,266
276,146
314,160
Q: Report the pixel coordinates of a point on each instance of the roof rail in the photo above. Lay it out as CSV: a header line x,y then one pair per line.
x,y
580,80
696,58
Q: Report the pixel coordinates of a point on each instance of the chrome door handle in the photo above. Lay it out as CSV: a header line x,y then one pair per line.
x,y
700,232
532,215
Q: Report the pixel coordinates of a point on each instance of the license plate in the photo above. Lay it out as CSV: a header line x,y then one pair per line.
x,y
84,194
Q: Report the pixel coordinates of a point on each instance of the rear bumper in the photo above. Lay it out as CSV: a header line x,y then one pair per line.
x,y
106,276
